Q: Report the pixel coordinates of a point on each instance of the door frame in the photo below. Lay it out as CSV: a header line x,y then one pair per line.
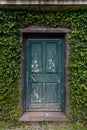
x,y
38,30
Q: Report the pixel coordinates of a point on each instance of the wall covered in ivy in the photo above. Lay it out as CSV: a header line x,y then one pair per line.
x,y
10,57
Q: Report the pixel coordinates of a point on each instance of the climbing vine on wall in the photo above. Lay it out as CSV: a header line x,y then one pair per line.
x,y
10,57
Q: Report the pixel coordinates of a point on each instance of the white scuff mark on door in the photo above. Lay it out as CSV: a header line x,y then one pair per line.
x,y
51,65
35,66
37,97
58,81
36,93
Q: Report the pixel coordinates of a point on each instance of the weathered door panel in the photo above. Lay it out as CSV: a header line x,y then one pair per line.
x,y
51,57
44,74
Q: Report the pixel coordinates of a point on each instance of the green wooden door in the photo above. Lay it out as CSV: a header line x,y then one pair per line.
x,y
44,75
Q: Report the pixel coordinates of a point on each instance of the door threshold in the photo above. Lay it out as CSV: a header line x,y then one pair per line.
x,y
43,116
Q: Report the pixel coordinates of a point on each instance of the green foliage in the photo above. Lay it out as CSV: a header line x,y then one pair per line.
x,y
41,126
10,56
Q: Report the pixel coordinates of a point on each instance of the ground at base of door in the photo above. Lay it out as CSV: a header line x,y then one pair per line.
x,y
46,126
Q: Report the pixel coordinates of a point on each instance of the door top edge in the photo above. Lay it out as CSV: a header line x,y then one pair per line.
x,y
46,39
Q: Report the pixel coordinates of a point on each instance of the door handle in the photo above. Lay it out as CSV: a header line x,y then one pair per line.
x,y
31,79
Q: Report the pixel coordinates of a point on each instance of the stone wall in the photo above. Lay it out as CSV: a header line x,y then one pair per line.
x,y
43,2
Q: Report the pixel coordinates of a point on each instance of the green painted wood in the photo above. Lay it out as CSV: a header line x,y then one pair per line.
x,y
44,74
